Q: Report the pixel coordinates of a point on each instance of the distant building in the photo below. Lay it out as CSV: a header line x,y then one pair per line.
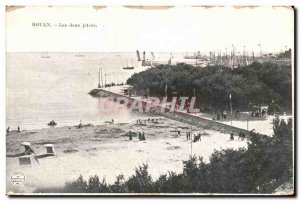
x,y
286,54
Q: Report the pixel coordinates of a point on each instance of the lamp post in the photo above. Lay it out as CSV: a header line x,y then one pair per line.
x,y
114,81
99,86
166,91
230,108
194,90
273,107
191,142
249,108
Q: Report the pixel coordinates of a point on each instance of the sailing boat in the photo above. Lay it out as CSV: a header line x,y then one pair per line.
x,y
45,55
79,55
128,67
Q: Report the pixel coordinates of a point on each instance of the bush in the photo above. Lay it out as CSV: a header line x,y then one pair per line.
x,y
141,182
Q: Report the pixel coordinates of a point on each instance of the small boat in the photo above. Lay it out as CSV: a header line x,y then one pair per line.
x,y
128,67
79,55
45,56
52,123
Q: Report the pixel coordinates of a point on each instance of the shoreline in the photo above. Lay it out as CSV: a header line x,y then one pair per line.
x,y
106,150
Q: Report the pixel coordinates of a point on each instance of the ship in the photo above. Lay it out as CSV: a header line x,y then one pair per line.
x,y
45,55
128,67
153,62
195,56
79,55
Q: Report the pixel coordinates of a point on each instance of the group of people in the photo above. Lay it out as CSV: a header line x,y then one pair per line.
x,y
141,122
141,136
18,131
258,113
241,136
196,138
224,116
153,120
144,122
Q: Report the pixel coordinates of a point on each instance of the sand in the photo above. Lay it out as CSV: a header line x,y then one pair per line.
x,y
106,150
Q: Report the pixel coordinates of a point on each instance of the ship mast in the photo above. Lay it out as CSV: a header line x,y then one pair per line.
x,y
99,86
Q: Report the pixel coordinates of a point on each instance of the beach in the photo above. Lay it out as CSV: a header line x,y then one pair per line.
x,y
106,150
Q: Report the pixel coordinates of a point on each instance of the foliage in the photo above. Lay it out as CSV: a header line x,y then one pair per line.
x,y
255,85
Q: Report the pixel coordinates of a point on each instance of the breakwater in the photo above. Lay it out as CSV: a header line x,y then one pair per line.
x,y
176,115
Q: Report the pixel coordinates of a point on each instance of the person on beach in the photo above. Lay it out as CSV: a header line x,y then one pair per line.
x,y
18,129
231,136
240,135
224,114
243,136
140,136
199,137
187,136
144,138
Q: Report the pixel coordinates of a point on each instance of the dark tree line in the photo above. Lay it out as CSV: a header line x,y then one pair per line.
x,y
263,167
255,85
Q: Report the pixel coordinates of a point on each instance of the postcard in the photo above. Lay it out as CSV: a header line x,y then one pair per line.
x,y
150,100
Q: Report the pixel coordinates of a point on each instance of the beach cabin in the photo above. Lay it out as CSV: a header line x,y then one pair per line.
x,y
25,160
28,149
28,160
49,149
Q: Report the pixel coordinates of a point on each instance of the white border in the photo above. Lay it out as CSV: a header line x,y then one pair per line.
x,y
106,2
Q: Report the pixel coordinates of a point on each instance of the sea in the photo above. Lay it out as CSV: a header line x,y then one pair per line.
x,y
39,89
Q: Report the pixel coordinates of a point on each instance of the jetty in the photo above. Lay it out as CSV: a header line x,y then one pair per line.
x,y
182,116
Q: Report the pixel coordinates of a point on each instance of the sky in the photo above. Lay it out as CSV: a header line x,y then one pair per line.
x,y
123,29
